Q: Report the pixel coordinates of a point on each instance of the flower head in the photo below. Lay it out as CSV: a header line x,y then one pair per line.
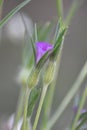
x,y
41,49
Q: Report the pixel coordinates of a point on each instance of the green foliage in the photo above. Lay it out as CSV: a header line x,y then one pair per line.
x,y
58,38
82,102
36,35
42,61
1,3
74,89
35,93
60,8
14,11
82,120
43,34
59,42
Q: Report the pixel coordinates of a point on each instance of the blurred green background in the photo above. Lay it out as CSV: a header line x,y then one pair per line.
x,y
11,45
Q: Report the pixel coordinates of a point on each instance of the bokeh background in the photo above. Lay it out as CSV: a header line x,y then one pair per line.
x,y
11,45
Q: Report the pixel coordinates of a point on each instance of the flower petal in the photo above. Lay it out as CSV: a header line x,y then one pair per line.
x,y
41,49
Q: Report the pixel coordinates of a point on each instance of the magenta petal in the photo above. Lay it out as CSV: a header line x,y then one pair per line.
x,y
41,49
83,111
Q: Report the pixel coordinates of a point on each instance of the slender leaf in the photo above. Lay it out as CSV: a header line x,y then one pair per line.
x,y
60,37
36,35
57,32
34,50
14,11
58,43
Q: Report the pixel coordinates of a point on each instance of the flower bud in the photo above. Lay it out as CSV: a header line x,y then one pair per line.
x,y
49,73
33,78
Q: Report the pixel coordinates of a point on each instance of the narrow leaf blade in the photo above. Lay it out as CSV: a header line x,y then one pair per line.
x,y
14,11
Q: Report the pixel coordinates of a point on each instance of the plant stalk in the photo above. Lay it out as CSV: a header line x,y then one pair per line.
x,y
19,107
27,93
44,90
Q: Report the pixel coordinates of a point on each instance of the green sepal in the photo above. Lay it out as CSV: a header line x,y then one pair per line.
x,y
33,78
57,31
34,51
35,93
42,61
49,73
58,43
14,11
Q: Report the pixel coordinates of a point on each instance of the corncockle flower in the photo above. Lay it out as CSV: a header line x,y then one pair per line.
x,y
41,49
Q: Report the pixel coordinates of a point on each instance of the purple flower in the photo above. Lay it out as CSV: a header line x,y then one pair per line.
x,y
75,109
83,111
41,49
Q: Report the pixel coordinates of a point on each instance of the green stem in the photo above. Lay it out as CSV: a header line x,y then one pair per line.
x,y
47,107
74,7
68,97
1,7
20,107
27,93
40,107
79,109
60,8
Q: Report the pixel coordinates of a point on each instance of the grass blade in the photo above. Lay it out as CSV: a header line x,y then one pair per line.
x,y
15,10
